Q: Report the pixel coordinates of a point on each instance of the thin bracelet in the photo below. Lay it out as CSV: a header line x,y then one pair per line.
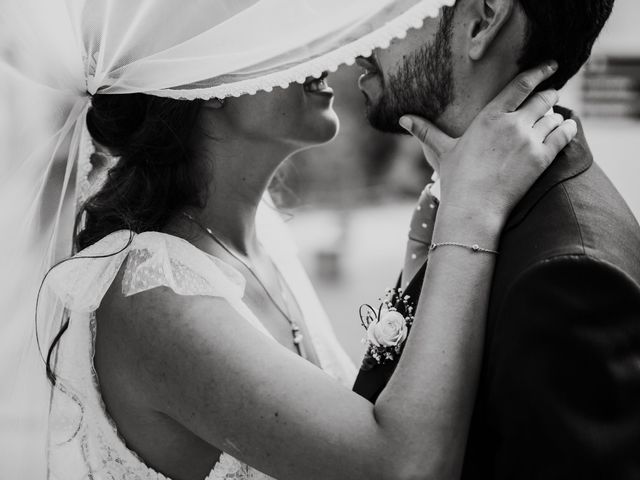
x,y
473,248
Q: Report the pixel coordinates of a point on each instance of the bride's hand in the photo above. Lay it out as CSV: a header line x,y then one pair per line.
x,y
506,148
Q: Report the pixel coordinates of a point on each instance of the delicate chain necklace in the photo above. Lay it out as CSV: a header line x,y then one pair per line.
x,y
296,333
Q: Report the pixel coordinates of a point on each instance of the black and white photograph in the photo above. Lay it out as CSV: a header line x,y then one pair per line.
x,y
319,240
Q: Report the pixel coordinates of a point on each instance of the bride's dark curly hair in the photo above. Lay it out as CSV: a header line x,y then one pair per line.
x,y
158,173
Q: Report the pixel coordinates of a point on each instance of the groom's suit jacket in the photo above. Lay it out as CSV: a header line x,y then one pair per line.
x,y
559,393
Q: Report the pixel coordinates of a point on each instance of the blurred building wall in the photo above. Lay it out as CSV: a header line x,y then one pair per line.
x,y
621,35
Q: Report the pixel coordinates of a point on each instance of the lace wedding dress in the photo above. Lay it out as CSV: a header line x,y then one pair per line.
x,y
84,442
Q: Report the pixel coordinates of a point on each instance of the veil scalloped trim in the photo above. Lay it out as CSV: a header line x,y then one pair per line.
x,y
345,55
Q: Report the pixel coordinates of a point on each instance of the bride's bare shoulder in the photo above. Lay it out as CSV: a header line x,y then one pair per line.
x,y
120,308
137,335
155,310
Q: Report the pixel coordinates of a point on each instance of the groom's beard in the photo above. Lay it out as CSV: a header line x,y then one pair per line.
x,y
422,86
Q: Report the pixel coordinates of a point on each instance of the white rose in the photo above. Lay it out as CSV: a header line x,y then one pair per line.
x,y
389,331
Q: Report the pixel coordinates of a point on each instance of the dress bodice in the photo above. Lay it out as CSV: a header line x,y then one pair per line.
x,y
83,441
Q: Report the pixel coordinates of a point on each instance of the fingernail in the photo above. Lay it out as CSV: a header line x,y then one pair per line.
x,y
406,123
553,65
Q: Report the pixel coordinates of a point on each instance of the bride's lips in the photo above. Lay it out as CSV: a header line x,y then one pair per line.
x,y
318,86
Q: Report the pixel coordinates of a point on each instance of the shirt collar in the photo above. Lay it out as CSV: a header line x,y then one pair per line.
x,y
435,186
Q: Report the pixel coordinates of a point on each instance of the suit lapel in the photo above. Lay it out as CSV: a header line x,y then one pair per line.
x,y
415,285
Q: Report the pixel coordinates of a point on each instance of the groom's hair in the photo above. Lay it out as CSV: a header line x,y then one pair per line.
x,y
562,30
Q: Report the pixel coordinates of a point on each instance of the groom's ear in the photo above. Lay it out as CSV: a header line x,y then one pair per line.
x,y
488,18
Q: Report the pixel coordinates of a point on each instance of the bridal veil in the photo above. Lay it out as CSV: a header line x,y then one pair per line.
x,y
56,54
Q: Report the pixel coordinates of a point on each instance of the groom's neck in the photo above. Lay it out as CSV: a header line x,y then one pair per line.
x,y
474,89
456,119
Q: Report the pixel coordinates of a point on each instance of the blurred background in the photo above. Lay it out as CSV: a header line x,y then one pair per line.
x,y
348,203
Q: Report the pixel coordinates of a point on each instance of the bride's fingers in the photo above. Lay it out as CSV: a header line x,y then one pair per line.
x,y
430,136
538,105
547,124
514,94
561,137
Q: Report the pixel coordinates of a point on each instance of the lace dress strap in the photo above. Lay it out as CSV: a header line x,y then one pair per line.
x,y
82,436
153,259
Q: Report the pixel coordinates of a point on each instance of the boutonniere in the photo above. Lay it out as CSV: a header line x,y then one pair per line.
x,y
386,328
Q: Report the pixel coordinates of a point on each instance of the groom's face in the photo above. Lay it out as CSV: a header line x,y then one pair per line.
x,y
413,76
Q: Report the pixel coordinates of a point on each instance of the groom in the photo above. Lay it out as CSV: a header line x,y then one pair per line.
x,y
559,393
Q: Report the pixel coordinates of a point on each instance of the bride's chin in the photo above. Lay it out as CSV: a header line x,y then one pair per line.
x,y
325,128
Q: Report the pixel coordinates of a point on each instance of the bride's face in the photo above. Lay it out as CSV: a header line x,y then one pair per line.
x,y
297,117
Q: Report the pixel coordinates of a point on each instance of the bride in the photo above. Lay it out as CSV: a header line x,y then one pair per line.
x,y
193,347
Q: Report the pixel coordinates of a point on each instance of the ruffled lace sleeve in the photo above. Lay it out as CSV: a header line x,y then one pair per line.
x,y
152,259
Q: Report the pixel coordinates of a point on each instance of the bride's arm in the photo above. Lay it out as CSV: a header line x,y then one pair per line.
x,y
199,362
